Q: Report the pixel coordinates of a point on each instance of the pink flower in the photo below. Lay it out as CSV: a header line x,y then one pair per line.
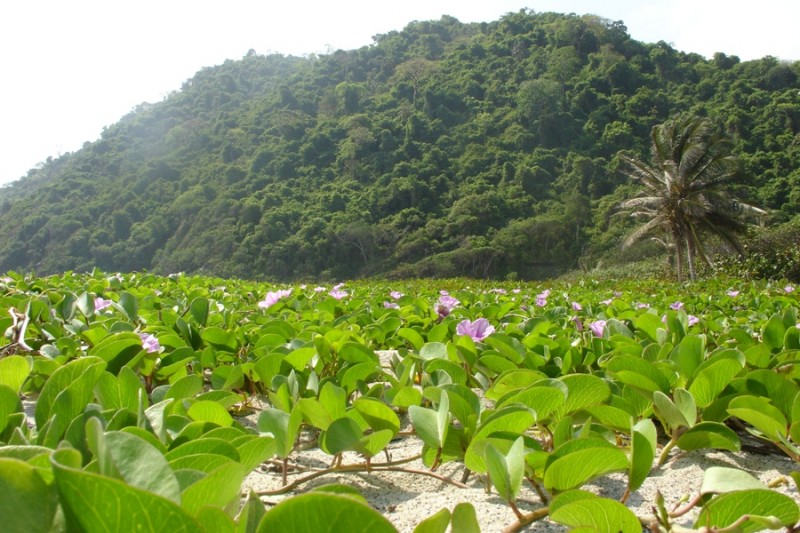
x,y
642,305
540,301
676,306
445,304
396,295
273,297
100,304
516,291
149,342
578,323
693,320
576,306
391,305
338,293
607,302
598,327
478,330
733,294
544,294
320,289
498,291
788,289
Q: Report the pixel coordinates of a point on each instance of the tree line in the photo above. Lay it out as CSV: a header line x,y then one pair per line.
x,y
497,149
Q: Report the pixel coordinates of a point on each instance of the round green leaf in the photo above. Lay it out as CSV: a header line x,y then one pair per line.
x,y
28,504
323,513
727,508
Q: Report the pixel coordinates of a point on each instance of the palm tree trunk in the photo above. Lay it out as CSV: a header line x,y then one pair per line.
x,y
678,258
690,259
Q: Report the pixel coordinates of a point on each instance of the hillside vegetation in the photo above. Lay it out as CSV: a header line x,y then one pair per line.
x,y
443,149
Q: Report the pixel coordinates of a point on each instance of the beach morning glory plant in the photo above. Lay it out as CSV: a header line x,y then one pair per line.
x,y
478,329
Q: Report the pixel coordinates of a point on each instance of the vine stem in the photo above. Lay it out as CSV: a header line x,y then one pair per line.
x,y
383,467
662,458
526,519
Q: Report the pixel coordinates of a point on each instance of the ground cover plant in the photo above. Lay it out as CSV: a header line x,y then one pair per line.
x,y
136,401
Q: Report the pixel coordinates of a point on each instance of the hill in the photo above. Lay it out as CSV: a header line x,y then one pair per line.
x,y
443,149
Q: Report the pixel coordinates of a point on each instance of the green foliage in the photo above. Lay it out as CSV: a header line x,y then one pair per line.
x,y
443,149
126,435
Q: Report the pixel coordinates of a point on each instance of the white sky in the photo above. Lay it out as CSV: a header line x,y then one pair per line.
x,y
73,67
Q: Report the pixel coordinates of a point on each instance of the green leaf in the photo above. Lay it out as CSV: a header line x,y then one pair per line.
x,y
141,465
584,390
28,504
412,336
117,350
712,379
578,467
208,411
251,514
95,503
343,434
638,372
433,350
9,404
727,508
220,339
377,414
644,440
436,523
283,428
506,471
688,355
464,519
431,426
761,414
594,514
720,479
14,370
542,400
510,420
669,412
199,310
709,435
68,390
217,489
323,513
773,332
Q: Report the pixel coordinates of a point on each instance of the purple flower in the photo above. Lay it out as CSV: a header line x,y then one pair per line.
x,y
396,295
149,342
788,289
598,327
100,304
607,302
576,306
498,291
338,293
273,297
617,294
478,330
320,289
693,320
733,294
642,305
676,306
445,305
578,323
391,305
516,291
544,294
540,302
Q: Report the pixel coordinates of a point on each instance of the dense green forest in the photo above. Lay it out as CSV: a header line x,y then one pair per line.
x,y
484,149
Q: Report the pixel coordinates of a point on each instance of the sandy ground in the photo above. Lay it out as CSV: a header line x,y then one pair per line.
x,y
408,498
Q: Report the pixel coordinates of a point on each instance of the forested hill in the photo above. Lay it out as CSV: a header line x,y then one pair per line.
x,y
442,149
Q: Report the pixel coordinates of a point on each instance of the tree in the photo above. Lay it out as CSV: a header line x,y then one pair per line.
x,y
687,190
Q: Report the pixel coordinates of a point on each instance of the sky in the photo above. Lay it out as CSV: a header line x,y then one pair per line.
x,y
74,67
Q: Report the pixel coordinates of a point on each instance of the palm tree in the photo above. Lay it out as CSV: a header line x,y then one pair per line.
x,y
687,190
